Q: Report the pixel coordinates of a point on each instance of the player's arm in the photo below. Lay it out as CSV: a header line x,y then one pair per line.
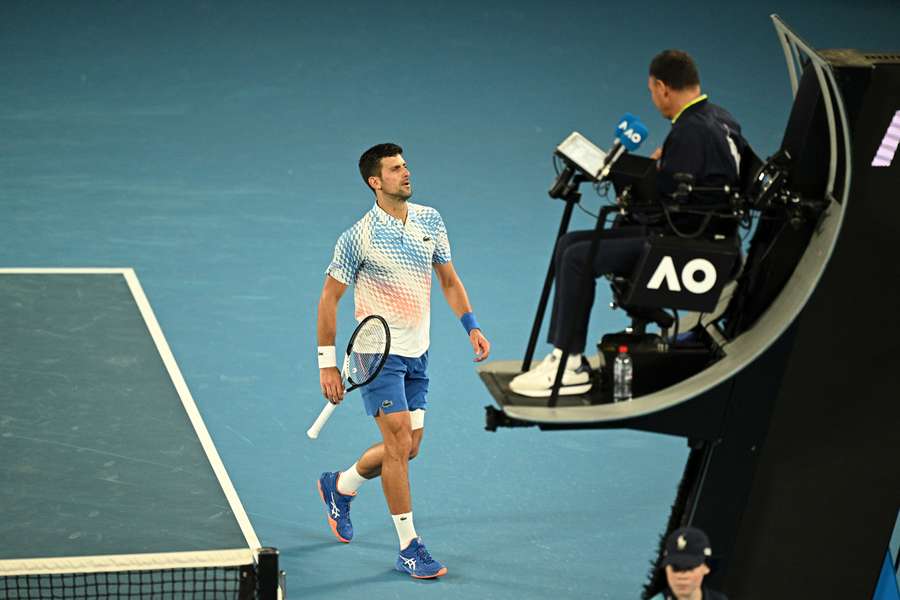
x,y
455,293
326,329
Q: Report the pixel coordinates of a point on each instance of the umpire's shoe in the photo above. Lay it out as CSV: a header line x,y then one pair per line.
x,y
538,382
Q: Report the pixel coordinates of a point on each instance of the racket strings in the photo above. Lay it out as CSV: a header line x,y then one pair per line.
x,y
367,351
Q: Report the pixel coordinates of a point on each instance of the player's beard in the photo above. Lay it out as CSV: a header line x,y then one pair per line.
x,y
403,193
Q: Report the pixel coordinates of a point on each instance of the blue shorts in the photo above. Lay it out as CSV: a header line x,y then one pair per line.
x,y
401,385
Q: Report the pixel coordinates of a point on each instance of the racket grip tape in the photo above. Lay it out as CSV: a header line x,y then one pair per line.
x,y
313,431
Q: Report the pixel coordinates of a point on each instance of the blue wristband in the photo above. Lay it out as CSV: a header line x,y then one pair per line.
x,y
469,322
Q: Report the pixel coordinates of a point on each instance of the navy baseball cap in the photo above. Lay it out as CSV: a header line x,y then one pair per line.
x,y
686,548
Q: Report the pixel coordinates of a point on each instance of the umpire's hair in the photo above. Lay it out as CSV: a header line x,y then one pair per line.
x,y
370,161
676,69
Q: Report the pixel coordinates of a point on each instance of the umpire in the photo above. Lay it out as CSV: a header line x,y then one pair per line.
x,y
705,143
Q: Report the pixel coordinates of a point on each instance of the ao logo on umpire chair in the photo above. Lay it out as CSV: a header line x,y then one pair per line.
x,y
686,274
665,274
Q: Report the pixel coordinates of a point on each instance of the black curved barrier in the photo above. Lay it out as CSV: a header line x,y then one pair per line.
x,y
790,407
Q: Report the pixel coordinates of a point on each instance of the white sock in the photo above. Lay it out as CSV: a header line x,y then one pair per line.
x,y
406,531
573,362
349,481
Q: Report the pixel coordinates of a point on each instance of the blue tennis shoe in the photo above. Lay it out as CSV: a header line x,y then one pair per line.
x,y
337,506
416,561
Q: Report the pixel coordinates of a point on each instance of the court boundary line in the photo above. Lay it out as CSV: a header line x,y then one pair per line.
x,y
126,562
64,271
177,379
187,401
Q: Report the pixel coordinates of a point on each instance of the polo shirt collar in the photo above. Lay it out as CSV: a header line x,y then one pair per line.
x,y
383,217
694,102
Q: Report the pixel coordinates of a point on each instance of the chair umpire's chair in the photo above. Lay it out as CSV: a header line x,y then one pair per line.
x,y
630,293
642,315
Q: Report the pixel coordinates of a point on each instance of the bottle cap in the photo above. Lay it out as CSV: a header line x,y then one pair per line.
x,y
623,349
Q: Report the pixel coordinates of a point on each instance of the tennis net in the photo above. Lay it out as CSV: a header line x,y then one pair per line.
x,y
175,576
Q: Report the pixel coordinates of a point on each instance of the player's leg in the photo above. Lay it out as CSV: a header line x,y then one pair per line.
x,y
416,433
369,464
338,489
396,432
415,388
414,558
396,435
415,392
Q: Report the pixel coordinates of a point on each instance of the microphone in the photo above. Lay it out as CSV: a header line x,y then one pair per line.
x,y
630,134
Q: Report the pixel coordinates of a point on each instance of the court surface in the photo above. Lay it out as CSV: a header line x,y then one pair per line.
x,y
107,463
212,147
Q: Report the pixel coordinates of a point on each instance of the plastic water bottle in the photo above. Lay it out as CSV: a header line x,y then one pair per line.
x,y
622,373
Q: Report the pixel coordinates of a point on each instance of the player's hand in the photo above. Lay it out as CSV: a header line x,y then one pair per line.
x,y
480,345
331,384
656,154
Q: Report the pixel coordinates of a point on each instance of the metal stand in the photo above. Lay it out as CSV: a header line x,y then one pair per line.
x,y
565,188
269,577
595,241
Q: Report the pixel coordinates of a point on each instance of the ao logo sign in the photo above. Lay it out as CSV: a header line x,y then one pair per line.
x,y
666,272
626,129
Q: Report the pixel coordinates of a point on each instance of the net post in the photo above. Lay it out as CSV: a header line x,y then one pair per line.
x,y
247,585
267,570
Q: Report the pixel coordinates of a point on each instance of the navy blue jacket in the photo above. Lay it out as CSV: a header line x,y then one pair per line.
x,y
706,142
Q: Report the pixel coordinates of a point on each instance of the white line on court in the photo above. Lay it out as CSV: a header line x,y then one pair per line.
x,y
65,271
191,408
175,559
126,562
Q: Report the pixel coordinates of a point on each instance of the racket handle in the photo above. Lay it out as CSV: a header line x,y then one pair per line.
x,y
313,432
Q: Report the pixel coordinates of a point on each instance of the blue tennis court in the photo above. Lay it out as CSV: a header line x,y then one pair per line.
x,y
107,463
212,147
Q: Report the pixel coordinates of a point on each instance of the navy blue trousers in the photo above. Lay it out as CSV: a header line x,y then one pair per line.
x,y
618,252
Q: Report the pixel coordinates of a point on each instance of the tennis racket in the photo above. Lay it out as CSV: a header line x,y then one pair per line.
x,y
366,353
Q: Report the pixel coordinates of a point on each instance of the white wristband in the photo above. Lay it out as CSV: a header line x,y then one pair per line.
x,y
327,357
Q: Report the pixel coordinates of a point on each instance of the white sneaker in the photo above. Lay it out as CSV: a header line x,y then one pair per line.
x,y
538,382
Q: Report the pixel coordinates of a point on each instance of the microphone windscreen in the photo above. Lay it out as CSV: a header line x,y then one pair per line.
x,y
631,132
624,122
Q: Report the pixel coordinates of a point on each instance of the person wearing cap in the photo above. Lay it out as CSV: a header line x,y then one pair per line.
x,y
685,561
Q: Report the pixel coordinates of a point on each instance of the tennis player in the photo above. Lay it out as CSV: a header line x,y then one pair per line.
x,y
388,256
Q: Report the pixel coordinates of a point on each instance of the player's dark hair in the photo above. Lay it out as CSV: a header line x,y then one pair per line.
x,y
370,161
676,69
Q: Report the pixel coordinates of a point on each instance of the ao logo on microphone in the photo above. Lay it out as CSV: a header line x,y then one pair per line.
x,y
666,273
627,129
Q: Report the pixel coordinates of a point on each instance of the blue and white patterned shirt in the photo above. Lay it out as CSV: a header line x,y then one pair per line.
x,y
390,265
